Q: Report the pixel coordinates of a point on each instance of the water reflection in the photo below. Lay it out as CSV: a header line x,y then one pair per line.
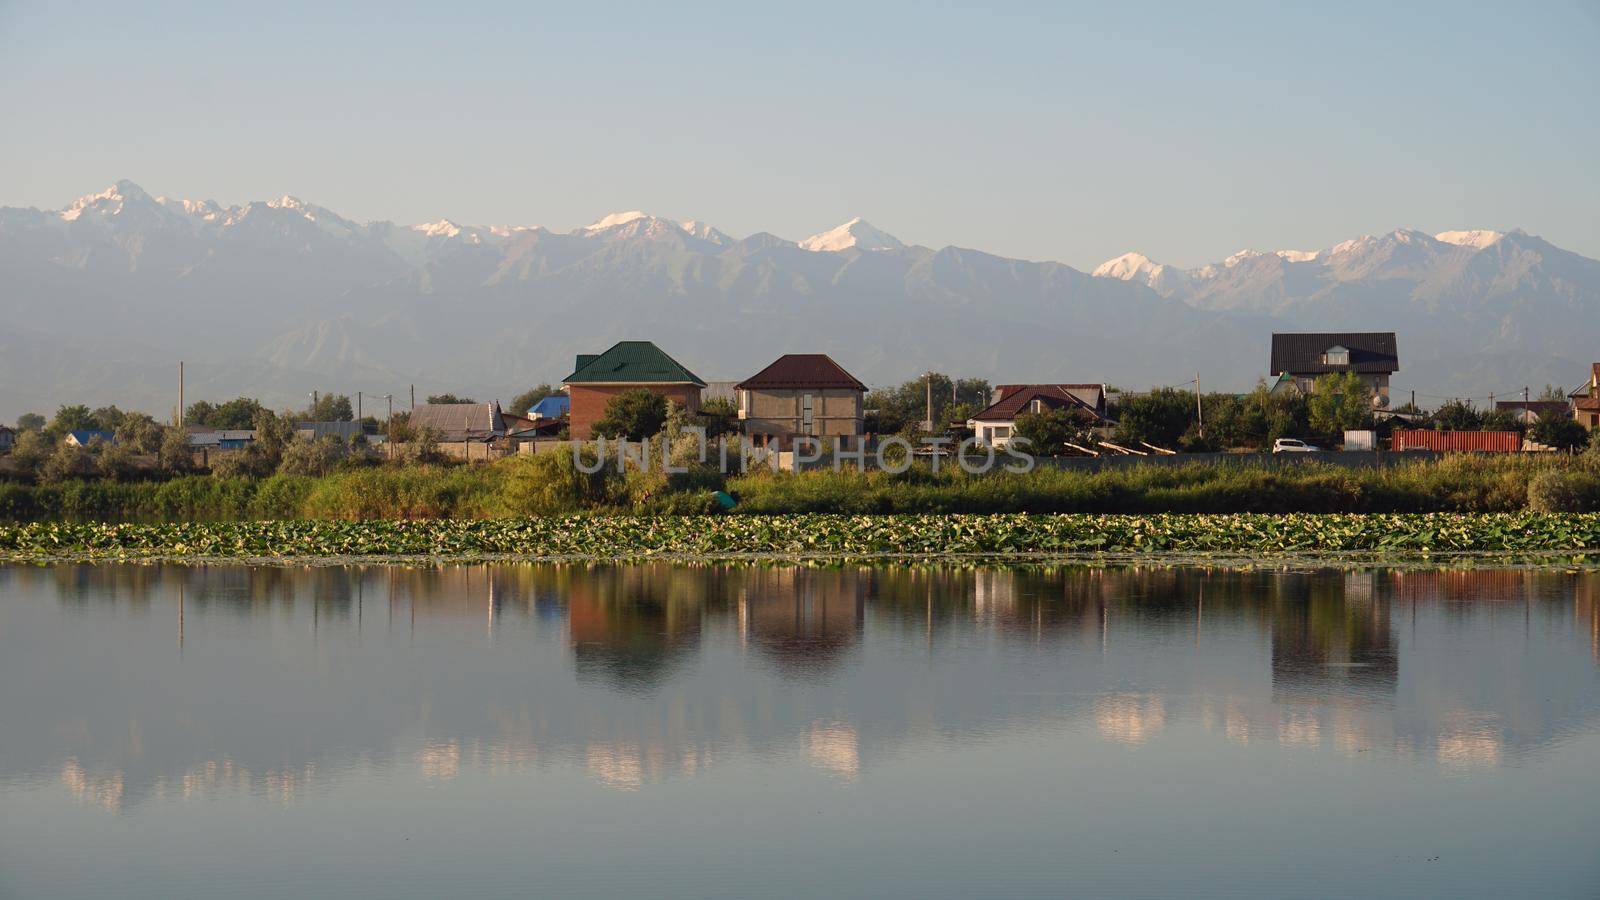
x,y
163,682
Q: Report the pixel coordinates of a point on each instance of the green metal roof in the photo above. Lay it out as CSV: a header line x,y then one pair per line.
x,y
631,362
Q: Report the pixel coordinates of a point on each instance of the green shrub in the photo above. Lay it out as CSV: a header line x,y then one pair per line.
x,y
1564,490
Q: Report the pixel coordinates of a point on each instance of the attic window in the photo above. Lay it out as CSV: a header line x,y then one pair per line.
x,y
1336,356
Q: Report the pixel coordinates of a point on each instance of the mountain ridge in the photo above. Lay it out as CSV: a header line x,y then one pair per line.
x,y
283,296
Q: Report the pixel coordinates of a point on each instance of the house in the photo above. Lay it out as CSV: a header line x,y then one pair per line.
x,y
203,438
1586,400
1299,359
84,436
1534,410
552,407
799,395
529,427
995,424
628,365
8,438
455,423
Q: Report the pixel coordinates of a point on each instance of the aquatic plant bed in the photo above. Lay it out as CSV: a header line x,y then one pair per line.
x,y
819,534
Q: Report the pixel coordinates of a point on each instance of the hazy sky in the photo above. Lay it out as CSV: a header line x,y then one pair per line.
x,y
1185,131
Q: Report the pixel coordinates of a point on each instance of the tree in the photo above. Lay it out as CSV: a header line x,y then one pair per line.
x,y
30,422
140,433
108,418
30,451
67,462
273,434
239,413
449,398
175,455
116,462
1501,420
1049,430
527,399
1560,433
318,457
1159,417
332,408
1456,416
71,418
719,416
1338,403
902,408
1552,392
633,414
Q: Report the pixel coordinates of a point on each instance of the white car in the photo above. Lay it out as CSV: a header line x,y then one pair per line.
x,y
1290,445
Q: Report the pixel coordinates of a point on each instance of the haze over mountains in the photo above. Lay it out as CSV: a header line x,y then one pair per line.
x,y
277,298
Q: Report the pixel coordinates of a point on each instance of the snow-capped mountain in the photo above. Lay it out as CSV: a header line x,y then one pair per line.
x,y
102,297
856,234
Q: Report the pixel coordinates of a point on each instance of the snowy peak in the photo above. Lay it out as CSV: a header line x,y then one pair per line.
x,y
108,202
857,234
1127,267
1477,238
615,219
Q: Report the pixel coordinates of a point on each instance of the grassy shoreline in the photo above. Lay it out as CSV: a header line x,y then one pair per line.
x,y
1018,536
549,485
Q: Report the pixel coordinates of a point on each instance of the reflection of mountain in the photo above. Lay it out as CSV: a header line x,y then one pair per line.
x,y
170,681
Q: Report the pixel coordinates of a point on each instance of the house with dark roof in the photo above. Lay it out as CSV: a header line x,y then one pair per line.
x,y
995,424
83,437
1300,358
801,395
628,365
1586,400
8,438
460,422
1533,411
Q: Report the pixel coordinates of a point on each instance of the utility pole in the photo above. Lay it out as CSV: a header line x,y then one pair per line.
x,y
358,406
1413,399
180,394
388,428
1524,404
1199,410
928,378
413,398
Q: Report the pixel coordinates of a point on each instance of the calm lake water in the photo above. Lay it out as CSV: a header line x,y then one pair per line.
x,y
699,731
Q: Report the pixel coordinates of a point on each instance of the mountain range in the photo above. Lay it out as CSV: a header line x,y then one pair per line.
x,y
277,298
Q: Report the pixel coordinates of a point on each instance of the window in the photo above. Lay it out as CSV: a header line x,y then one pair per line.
x,y
1336,356
806,408
1000,432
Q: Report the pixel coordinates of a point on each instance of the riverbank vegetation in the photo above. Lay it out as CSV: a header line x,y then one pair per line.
x,y
551,484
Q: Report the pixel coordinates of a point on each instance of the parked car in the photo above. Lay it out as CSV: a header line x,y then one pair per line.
x,y
1291,445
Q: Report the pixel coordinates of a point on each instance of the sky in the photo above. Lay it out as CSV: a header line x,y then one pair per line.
x,y
1071,132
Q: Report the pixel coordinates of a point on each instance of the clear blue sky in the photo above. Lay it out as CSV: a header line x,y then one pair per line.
x,y
1185,131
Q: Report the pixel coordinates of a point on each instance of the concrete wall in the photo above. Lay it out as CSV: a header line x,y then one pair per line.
x,y
589,402
779,413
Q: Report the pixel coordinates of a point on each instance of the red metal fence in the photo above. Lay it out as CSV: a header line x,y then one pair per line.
x,y
1456,441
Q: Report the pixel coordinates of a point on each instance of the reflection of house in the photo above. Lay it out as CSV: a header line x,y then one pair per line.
x,y
1299,359
805,620
628,365
1586,401
456,422
801,394
83,437
994,424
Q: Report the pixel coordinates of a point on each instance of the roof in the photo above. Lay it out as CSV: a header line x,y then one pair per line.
x,y
631,362
552,407
793,371
1015,399
1540,408
458,421
216,437
342,430
1301,352
1092,394
85,435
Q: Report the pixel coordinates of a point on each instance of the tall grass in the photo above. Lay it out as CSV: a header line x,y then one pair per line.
x,y
551,485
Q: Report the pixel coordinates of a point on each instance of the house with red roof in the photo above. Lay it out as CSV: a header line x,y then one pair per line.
x,y
801,394
995,424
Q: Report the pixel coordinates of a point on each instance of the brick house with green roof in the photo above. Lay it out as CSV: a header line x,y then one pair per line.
x,y
626,366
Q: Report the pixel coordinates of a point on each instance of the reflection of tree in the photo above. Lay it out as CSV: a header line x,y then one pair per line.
x,y
1324,645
